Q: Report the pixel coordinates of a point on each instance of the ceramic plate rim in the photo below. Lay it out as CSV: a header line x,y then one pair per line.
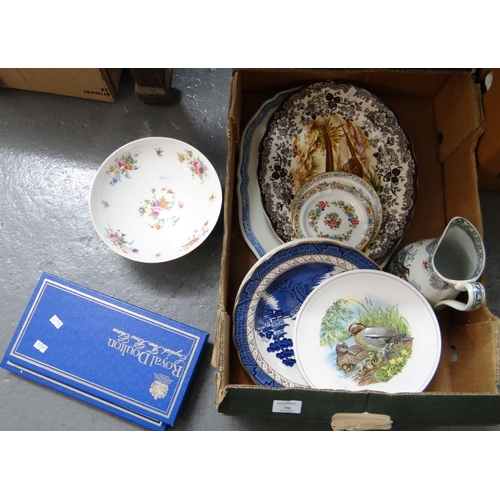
x,y
357,183
244,203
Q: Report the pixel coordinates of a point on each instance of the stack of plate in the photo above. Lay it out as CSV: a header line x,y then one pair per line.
x,y
326,191
324,128
300,308
270,297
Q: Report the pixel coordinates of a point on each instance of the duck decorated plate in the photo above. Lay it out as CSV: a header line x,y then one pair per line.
x,y
338,127
155,199
334,211
367,330
270,297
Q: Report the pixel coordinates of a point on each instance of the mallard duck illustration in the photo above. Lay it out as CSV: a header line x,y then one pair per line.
x,y
348,357
375,338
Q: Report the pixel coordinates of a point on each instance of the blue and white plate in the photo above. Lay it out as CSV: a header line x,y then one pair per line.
x,y
269,300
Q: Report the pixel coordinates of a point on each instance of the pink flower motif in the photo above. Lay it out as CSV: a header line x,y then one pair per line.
x,y
195,165
121,163
181,205
156,211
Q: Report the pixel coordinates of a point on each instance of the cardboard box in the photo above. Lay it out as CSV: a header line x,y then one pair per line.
x,y
88,83
488,148
442,113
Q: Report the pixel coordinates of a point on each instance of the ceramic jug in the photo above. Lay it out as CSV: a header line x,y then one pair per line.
x,y
443,267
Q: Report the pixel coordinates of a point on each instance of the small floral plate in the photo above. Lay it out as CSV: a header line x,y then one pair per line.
x,y
334,211
354,182
155,199
367,330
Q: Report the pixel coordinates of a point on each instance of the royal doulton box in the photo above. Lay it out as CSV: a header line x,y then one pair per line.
x,y
116,356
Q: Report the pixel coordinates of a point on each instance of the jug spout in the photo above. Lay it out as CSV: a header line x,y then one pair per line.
x,y
440,267
459,256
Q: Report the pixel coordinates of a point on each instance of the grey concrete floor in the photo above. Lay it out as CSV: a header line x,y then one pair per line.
x,y
50,149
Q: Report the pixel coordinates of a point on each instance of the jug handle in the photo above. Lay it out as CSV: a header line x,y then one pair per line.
x,y
476,297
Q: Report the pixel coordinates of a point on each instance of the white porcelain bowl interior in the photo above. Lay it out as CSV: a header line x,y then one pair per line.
x,y
155,199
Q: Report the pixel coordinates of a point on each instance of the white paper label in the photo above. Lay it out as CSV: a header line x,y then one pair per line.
x,y
40,346
287,406
350,92
56,322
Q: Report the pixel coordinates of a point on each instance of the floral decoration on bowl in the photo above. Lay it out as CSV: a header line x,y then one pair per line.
x,y
155,199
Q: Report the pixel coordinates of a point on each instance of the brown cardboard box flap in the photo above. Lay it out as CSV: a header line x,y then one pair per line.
x,y
457,113
474,356
381,81
220,354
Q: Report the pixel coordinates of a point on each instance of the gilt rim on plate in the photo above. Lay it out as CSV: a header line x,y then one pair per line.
x,y
352,181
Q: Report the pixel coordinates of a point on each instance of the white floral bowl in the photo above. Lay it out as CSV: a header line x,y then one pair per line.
x,y
155,199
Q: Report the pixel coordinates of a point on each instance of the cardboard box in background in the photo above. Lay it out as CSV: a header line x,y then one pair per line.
x,y
88,83
441,111
488,148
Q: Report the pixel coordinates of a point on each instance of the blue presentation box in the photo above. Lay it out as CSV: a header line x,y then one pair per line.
x,y
121,358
